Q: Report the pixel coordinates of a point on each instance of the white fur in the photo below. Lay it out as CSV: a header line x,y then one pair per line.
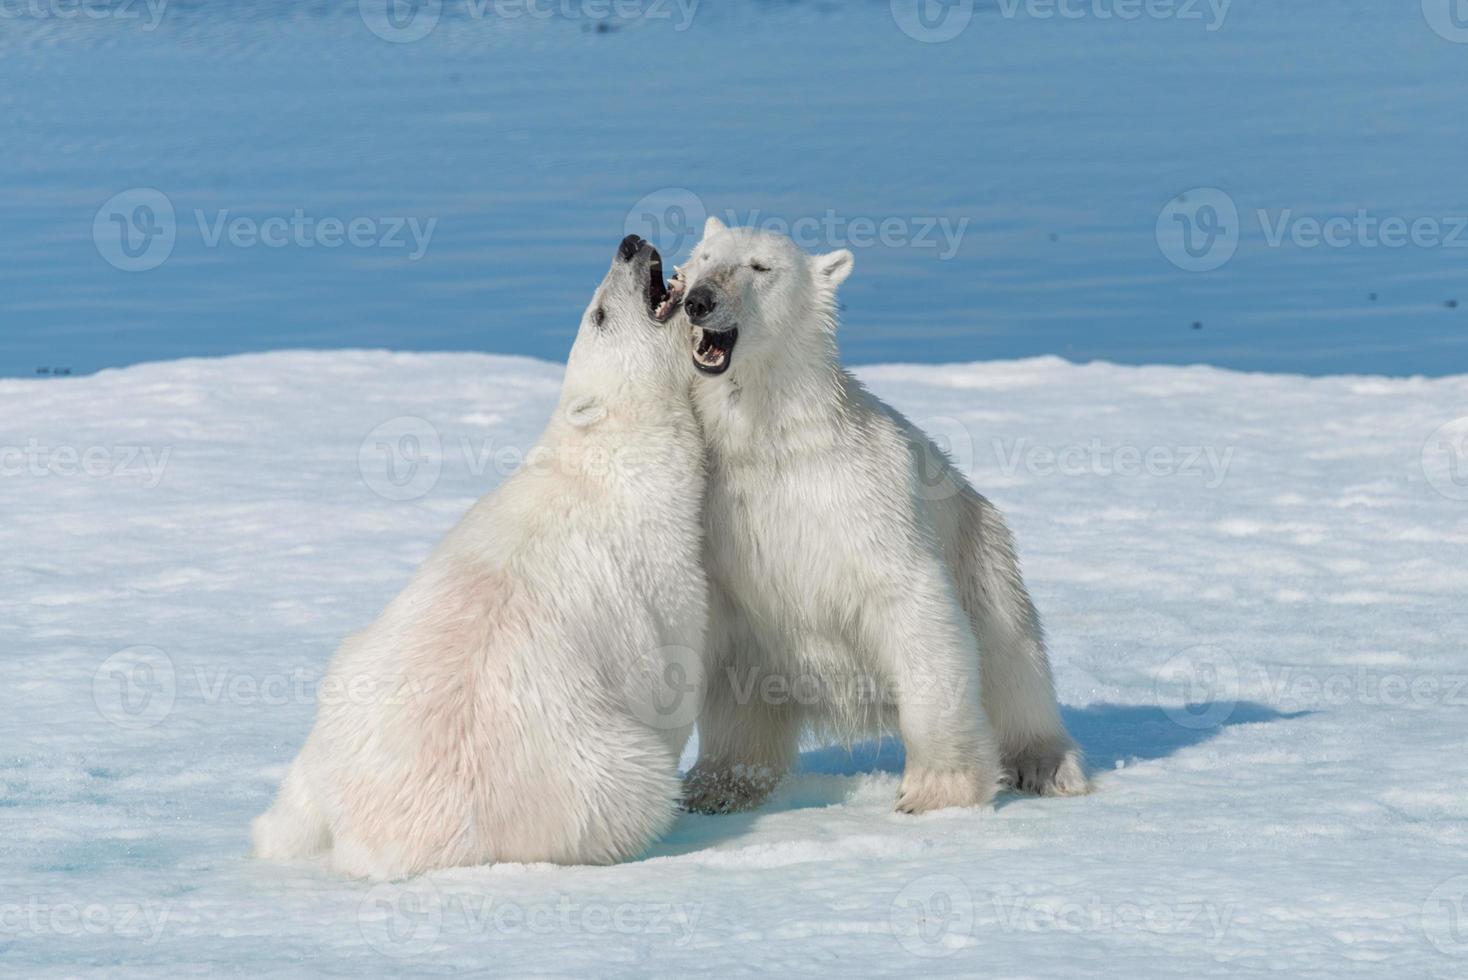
x,y
495,715
838,560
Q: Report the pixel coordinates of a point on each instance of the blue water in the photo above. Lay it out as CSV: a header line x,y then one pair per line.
x,y
526,144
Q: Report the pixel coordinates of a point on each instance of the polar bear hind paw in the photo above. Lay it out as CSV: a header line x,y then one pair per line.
x,y
728,791
928,789
1047,770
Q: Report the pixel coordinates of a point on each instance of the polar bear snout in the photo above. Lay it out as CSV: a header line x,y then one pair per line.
x,y
700,304
638,258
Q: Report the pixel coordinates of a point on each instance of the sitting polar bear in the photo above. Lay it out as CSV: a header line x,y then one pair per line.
x,y
516,708
847,559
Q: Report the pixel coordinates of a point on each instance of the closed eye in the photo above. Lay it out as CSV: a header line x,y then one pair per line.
x,y
758,267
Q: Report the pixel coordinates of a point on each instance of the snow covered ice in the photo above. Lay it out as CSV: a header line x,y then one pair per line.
x,y
1253,587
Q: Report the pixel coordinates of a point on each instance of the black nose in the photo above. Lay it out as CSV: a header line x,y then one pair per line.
x,y
629,247
700,303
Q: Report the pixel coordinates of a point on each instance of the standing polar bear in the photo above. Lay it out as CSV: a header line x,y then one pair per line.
x,y
508,705
836,562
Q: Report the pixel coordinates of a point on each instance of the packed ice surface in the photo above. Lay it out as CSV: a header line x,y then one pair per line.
x,y
1253,585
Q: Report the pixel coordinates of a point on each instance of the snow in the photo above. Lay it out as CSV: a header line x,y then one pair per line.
x,y
1252,583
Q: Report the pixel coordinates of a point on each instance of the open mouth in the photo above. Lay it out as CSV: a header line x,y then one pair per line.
x,y
662,298
713,350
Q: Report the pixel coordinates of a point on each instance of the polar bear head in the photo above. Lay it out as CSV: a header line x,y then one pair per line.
x,y
624,347
760,293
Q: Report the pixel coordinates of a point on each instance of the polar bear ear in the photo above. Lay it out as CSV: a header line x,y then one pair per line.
x,y
713,226
832,268
585,412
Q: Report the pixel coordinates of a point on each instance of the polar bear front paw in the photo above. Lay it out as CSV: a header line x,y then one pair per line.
x,y
1047,770
928,789
728,790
